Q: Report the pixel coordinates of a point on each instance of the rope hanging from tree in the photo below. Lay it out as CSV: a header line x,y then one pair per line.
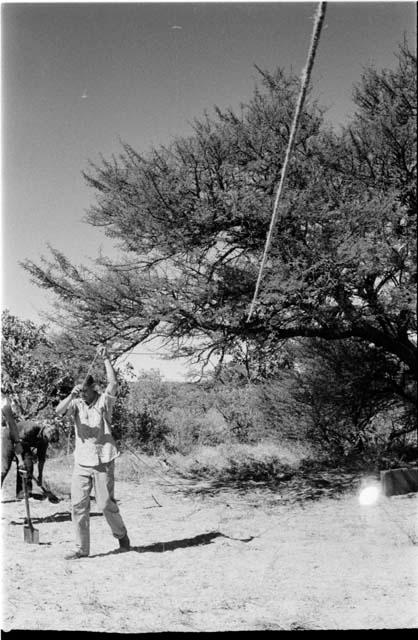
x,y
306,74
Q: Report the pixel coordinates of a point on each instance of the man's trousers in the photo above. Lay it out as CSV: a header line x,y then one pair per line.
x,y
102,479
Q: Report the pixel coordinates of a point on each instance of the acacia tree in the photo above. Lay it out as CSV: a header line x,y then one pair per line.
x,y
190,221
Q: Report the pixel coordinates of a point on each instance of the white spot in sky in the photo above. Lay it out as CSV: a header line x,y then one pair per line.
x,y
176,26
85,95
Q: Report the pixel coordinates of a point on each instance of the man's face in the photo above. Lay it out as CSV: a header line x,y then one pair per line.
x,y
88,393
51,435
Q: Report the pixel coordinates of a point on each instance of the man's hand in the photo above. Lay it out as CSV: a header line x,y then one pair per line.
x,y
102,351
18,448
76,390
22,470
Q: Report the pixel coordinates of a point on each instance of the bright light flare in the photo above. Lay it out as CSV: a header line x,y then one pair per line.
x,y
369,495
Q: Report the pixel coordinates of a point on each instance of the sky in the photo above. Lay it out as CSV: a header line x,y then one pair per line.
x,y
77,79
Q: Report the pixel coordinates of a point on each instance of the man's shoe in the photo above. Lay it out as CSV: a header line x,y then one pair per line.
x,y
75,555
124,543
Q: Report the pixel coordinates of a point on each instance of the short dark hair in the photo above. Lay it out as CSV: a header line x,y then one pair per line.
x,y
88,381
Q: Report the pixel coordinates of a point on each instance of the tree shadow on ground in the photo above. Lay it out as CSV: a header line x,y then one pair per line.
x,y
161,547
215,486
35,496
60,516
292,486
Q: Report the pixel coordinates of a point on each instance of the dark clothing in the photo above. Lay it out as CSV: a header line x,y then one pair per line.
x,y
30,435
34,449
7,452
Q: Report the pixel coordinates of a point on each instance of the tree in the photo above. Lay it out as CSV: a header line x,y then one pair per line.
x,y
344,389
32,376
40,367
190,221
141,416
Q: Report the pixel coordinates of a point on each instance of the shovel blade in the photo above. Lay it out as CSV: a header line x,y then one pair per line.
x,y
31,535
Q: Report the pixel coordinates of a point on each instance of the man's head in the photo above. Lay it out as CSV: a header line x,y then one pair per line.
x,y
88,389
50,433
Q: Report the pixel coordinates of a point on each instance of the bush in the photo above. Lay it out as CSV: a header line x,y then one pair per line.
x,y
267,462
145,429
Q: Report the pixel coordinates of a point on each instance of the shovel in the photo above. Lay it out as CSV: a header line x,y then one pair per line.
x,y
30,534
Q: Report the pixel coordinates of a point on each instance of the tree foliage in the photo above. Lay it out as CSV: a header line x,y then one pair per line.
x,y
190,221
39,368
32,376
141,419
347,391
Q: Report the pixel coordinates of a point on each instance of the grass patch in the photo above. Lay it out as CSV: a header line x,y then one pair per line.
x,y
128,468
136,467
224,464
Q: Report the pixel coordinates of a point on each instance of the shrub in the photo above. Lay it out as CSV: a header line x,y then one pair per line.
x,y
238,463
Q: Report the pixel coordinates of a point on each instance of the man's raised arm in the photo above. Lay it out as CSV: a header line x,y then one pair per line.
x,y
62,407
112,383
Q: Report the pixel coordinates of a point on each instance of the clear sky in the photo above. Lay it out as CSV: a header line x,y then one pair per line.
x,y
78,78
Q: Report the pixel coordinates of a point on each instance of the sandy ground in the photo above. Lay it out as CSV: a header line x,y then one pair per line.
x,y
224,563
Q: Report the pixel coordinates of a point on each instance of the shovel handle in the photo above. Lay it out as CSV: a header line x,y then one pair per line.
x,y
25,491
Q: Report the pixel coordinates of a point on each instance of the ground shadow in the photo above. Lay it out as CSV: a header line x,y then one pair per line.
x,y
292,486
242,487
35,496
60,516
161,547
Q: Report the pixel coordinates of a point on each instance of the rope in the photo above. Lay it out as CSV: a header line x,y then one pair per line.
x,y
306,74
91,366
166,480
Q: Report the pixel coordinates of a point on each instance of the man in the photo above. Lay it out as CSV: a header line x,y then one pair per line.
x,y
94,458
33,439
11,446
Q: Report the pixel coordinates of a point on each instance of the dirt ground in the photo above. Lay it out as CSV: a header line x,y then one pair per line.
x,y
228,562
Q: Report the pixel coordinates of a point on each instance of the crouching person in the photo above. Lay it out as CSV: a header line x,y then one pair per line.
x,y
94,458
35,439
